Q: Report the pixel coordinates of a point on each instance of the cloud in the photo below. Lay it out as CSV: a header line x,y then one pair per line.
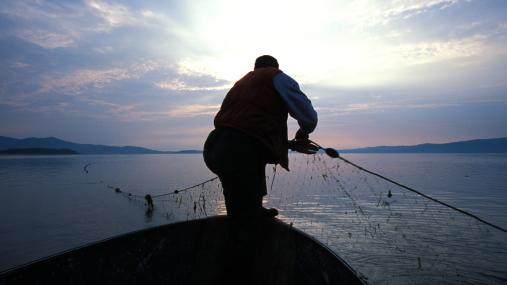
x,y
46,39
19,64
179,85
122,111
188,79
426,52
104,50
64,24
377,107
113,15
409,8
194,110
77,80
48,25
99,109
134,112
361,15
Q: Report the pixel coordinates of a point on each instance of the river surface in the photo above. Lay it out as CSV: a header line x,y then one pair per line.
x,y
389,235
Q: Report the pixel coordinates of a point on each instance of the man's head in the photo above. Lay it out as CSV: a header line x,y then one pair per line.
x,y
266,61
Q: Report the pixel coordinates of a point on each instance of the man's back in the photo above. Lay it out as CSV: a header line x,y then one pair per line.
x,y
253,106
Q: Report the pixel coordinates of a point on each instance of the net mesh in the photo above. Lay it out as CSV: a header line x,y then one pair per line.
x,y
386,233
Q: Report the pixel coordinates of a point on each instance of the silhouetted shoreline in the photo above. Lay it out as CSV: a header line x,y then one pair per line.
x,y
37,151
496,145
491,145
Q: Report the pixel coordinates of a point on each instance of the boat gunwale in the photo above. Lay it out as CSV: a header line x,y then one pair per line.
x,y
60,254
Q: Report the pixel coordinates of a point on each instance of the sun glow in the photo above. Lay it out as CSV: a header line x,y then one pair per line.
x,y
338,43
317,42
309,44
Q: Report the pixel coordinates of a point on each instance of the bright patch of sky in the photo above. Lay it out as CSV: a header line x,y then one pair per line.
x,y
153,73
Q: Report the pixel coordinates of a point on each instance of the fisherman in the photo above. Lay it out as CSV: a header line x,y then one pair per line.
x,y
251,131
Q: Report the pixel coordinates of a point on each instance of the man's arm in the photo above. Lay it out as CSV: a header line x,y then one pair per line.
x,y
300,107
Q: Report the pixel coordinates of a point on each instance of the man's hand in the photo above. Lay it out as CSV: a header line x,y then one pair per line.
x,y
303,146
300,135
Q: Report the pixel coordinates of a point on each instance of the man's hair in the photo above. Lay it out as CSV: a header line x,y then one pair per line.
x,y
266,61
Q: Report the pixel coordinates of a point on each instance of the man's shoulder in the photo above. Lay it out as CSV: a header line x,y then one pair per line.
x,y
284,79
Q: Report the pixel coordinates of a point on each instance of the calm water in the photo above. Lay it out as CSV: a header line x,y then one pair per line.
x,y
51,204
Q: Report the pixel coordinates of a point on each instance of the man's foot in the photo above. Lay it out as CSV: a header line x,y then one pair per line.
x,y
269,213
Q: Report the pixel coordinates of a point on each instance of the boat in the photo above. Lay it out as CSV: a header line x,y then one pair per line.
x,y
214,250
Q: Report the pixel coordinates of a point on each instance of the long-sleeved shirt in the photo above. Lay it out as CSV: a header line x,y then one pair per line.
x,y
299,106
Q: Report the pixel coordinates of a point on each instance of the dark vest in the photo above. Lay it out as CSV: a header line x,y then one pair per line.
x,y
254,107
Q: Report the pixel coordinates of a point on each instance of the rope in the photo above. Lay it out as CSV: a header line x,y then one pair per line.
x,y
412,189
148,197
185,189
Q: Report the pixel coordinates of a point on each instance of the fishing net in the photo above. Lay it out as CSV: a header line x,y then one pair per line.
x,y
388,234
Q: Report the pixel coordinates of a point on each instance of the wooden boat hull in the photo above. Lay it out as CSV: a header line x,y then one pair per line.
x,y
207,251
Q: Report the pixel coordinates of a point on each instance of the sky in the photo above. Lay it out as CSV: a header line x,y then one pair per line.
x,y
154,73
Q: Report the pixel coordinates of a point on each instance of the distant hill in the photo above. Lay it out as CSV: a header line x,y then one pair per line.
x,y
38,151
55,143
497,145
